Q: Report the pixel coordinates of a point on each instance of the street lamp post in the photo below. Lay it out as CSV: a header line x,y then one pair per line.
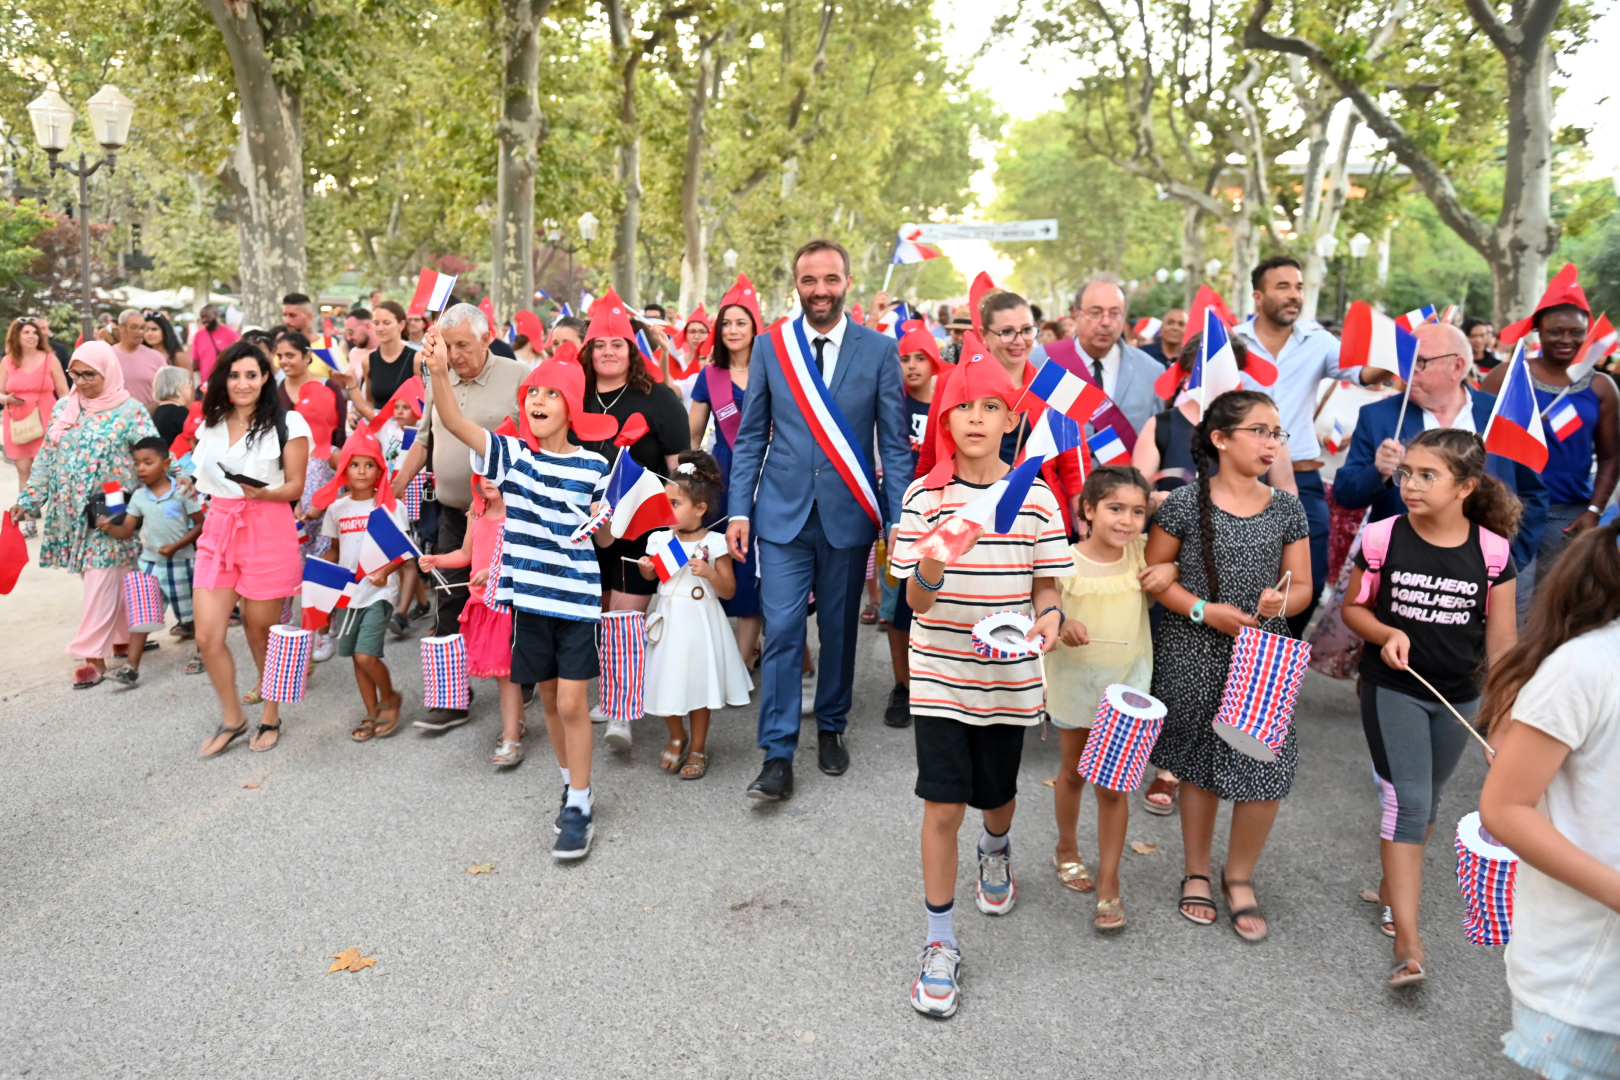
x,y
52,117
588,225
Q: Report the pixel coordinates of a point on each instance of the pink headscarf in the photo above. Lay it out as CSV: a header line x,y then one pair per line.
x,y
99,355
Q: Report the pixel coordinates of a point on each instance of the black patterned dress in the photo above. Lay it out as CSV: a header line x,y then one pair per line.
x,y
1190,660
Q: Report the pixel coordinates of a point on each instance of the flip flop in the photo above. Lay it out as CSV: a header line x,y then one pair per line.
x,y
234,733
260,730
1397,979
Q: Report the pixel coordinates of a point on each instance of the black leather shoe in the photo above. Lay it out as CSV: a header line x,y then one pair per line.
x,y
775,781
898,714
832,758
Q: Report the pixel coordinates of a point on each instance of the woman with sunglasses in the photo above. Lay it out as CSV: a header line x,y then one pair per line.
x,y
31,382
88,443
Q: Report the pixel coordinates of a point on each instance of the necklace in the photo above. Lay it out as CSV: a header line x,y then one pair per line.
x,y
605,406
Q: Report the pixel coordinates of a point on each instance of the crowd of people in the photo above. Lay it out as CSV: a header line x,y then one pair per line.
x,y
815,465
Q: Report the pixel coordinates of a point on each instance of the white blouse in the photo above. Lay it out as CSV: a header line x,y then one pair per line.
x,y
258,457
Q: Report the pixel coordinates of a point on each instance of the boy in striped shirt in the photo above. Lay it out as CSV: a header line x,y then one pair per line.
x,y
970,712
550,486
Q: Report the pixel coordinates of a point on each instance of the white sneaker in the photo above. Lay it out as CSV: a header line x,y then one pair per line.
x,y
934,991
807,692
322,648
995,892
618,734
598,716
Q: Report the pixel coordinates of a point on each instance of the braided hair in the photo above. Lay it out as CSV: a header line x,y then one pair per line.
x,y
1224,413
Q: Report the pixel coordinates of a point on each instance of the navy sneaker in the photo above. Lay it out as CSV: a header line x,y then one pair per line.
x,y
562,804
574,835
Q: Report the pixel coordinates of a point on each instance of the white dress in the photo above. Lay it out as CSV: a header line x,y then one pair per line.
x,y
692,657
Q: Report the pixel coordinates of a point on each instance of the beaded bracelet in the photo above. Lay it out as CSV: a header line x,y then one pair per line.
x,y
916,574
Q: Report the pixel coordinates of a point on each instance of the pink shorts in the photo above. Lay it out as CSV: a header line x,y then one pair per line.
x,y
250,547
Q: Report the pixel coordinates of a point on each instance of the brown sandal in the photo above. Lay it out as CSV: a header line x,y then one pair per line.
x,y
696,767
366,731
1161,786
387,725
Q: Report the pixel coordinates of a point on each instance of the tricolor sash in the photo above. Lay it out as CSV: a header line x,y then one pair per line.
x,y
827,424
723,403
1067,354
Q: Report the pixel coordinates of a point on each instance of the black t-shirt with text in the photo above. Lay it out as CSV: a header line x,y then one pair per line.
x,y
1436,596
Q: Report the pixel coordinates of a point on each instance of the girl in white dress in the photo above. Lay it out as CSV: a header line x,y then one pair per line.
x,y
693,665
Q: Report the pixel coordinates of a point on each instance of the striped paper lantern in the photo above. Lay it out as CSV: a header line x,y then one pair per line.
x,y
1261,689
413,497
622,645
1001,636
1486,872
286,664
143,602
1127,725
492,599
445,672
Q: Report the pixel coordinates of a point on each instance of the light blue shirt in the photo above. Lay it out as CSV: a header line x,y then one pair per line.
x,y
1310,355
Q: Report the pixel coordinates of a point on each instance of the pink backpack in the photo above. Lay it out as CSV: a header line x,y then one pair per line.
x,y
1375,547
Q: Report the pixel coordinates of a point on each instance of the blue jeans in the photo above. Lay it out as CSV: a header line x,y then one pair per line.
x,y
1313,496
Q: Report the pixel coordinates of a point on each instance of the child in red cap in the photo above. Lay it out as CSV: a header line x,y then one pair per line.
x,y
550,487
969,712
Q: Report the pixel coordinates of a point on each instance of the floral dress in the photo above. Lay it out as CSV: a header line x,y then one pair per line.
x,y
67,472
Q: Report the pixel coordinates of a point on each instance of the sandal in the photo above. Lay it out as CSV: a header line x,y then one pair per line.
x,y
234,734
1073,875
869,614
366,731
1188,900
85,676
253,697
670,760
1161,786
696,767
1110,914
1399,976
385,725
1252,911
509,752
1386,922
194,666
260,730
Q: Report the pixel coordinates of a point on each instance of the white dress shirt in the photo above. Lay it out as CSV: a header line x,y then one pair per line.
x,y
1463,421
829,352
1110,366
1309,355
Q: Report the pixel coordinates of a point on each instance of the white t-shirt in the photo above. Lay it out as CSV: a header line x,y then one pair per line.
x,y
1564,956
258,457
345,522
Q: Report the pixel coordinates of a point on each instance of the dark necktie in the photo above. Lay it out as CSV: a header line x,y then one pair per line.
x,y
821,366
1096,371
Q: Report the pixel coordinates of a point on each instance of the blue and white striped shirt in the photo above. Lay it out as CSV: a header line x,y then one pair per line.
x,y
547,497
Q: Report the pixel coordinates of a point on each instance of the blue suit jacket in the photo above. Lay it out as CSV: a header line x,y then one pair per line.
x,y
775,490
1358,484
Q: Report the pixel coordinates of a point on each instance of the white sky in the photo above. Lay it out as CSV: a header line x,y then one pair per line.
x,y
1024,92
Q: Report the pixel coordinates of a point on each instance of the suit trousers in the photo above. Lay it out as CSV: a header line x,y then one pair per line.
x,y
452,531
1313,497
788,573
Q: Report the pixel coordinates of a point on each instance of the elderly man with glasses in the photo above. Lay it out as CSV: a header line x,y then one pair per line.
x,y
1099,354
1439,399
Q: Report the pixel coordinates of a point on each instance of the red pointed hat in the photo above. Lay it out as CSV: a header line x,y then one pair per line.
x,y
917,339
698,316
563,374
361,444
1207,297
981,285
528,324
317,404
977,375
740,295
410,391
186,441
1562,289
610,318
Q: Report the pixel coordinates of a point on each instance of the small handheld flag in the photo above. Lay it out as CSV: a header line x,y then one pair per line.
x,y
1515,429
115,498
907,250
1565,421
1601,341
888,323
1373,339
1415,318
1108,448
384,544
1147,328
1053,434
669,558
1335,441
327,587
1067,392
432,292
1215,371
638,500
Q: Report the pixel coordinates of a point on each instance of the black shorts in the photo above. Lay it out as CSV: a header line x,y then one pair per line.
x,y
964,763
902,611
545,647
620,576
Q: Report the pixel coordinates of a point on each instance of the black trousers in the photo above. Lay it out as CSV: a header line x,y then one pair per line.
x,y
452,532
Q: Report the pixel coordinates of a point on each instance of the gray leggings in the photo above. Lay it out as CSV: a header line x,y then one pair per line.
x,y
1415,745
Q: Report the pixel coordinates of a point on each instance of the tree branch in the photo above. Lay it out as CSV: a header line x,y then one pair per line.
x,y
1505,38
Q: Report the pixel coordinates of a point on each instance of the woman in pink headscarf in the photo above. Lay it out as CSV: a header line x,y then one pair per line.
x,y
87,444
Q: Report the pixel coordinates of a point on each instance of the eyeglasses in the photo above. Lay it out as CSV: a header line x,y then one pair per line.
x,y
1418,481
1264,434
1097,314
1422,363
84,376
1012,334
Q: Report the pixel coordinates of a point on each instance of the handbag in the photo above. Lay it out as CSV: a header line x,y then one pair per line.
x,y
28,429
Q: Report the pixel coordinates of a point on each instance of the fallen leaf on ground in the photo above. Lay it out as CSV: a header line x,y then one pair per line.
x,y
1052,783
481,868
251,784
1143,849
351,960
1369,896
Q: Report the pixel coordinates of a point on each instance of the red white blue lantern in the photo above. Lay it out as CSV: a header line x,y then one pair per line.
x,y
622,643
286,664
1001,636
1486,872
413,497
1122,736
143,602
493,584
1261,689
445,672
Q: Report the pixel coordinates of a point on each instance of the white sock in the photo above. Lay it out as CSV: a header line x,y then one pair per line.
x,y
565,776
990,843
580,799
941,923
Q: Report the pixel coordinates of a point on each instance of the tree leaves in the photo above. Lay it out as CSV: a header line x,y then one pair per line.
x,y
481,868
1144,849
351,960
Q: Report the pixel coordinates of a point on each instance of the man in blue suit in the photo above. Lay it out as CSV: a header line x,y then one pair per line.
x,y
1439,399
811,503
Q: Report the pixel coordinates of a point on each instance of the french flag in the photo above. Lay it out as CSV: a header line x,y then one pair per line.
x,y
1414,319
115,498
327,588
1147,329
907,250
1052,435
669,558
1515,430
890,321
1373,339
1215,371
432,292
1108,449
1066,392
1565,421
585,302
1336,440
323,348
1601,341
384,544
638,500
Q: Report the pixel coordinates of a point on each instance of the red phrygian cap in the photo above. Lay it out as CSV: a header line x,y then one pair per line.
x,y
916,338
361,444
410,391
609,319
186,441
529,325
977,375
563,374
981,285
740,295
698,316
1207,297
487,306
857,313
1561,290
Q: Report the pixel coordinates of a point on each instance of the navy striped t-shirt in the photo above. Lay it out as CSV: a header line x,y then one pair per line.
x,y
547,496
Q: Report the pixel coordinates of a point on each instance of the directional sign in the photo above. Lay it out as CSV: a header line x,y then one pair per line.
x,y
1041,229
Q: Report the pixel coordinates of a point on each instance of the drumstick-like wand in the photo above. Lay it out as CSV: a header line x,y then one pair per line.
x,y
1488,749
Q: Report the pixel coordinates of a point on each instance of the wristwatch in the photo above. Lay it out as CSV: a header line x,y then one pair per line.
x,y
1197,612
1062,618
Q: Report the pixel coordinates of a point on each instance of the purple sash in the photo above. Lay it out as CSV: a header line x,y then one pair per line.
x,y
727,417
1067,354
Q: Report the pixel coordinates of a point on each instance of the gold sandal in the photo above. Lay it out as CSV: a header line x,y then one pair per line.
x,y
366,731
1109,910
670,761
1073,875
696,767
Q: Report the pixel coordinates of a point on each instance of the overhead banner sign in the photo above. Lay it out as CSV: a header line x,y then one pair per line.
x,y
1040,229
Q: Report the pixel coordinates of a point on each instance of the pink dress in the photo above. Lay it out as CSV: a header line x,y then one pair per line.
x,y
488,633
38,392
